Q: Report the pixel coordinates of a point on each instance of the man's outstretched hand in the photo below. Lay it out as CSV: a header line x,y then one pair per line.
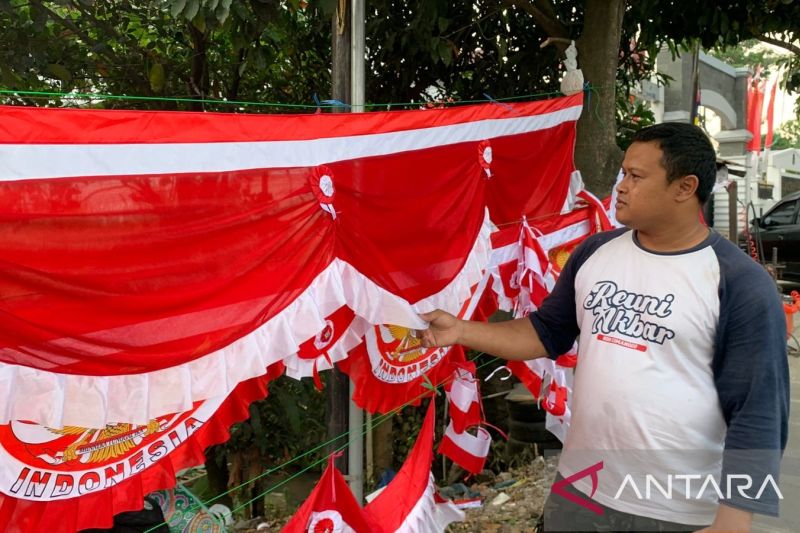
x,y
443,329
514,340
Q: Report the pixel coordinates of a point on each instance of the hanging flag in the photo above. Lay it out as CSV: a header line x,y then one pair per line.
x,y
72,478
770,115
466,450
755,104
464,399
409,504
205,244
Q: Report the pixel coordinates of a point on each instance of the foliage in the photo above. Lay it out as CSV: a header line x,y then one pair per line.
x,y
632,115
750,53
786,136
231,49
722,25
286,424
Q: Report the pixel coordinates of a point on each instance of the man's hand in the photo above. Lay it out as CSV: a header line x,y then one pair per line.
x,y
513,340
443,329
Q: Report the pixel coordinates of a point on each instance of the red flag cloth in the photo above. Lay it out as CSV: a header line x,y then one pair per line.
x,y
464,399
408,504
331,507
69,479
771,115
156,259
754,114
391,368
466,450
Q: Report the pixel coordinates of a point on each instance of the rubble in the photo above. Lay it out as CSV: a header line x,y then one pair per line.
x,y
512,501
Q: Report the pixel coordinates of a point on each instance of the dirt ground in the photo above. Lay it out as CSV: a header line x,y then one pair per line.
x,y
526,493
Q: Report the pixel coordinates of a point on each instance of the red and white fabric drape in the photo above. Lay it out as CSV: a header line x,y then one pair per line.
x,y
154,261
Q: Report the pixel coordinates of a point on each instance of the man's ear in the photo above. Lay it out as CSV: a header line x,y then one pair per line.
x,y
686,187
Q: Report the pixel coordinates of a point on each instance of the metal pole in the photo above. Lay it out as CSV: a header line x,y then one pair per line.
x,y
751,162
733,231
355,449
358,57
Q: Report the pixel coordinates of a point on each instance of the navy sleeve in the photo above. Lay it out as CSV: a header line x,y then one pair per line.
x,y
555,321
751,374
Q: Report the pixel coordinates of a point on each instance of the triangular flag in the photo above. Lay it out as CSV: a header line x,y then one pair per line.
x,y
408,504
330,508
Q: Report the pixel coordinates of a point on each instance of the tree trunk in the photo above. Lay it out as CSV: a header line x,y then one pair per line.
x,y
198,82
217,475
596,153
337,394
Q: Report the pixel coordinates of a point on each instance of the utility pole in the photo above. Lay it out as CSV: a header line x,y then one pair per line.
x,y
355,449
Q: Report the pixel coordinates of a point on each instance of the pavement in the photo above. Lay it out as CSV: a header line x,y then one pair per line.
x,y
789,521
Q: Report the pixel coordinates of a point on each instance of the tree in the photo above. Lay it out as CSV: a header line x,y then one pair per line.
x,y
254,50
787,136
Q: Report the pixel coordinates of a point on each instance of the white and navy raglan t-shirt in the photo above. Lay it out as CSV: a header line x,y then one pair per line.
x,y
682,376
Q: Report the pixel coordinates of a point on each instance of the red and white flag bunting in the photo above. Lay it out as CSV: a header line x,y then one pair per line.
x,y
467,450
203,249
464,397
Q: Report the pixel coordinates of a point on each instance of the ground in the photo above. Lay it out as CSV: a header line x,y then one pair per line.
x,y
527,493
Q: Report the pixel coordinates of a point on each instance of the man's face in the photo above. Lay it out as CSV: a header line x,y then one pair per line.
x,y
645,198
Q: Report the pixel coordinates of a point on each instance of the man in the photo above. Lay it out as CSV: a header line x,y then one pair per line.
x,y
682,372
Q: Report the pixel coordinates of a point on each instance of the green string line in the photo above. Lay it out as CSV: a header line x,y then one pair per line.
x,y
364,431
89,96
375,422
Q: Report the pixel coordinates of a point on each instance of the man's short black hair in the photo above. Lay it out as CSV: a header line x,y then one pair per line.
x,y
687,150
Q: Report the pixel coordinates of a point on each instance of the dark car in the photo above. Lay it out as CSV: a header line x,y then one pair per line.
x,y
779,229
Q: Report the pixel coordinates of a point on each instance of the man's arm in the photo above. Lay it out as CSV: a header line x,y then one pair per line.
x,y
730,520
751,375
513,340
548,331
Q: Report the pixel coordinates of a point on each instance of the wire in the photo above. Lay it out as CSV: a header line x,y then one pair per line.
x,y
100,96
364,428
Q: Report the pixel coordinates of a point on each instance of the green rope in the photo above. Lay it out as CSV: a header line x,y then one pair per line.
x,y
364,428
88,96
342,447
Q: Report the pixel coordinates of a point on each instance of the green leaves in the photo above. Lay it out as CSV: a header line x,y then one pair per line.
x,y
60,72
445,52
176,7
157,78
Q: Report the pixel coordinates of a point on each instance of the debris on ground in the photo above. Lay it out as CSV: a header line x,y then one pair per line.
x,y
512,501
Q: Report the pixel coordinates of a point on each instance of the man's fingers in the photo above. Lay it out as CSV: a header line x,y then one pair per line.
x,y
430,317
427,338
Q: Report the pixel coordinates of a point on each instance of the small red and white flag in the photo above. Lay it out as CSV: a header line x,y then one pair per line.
x,y
466,450
331,508
464,398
